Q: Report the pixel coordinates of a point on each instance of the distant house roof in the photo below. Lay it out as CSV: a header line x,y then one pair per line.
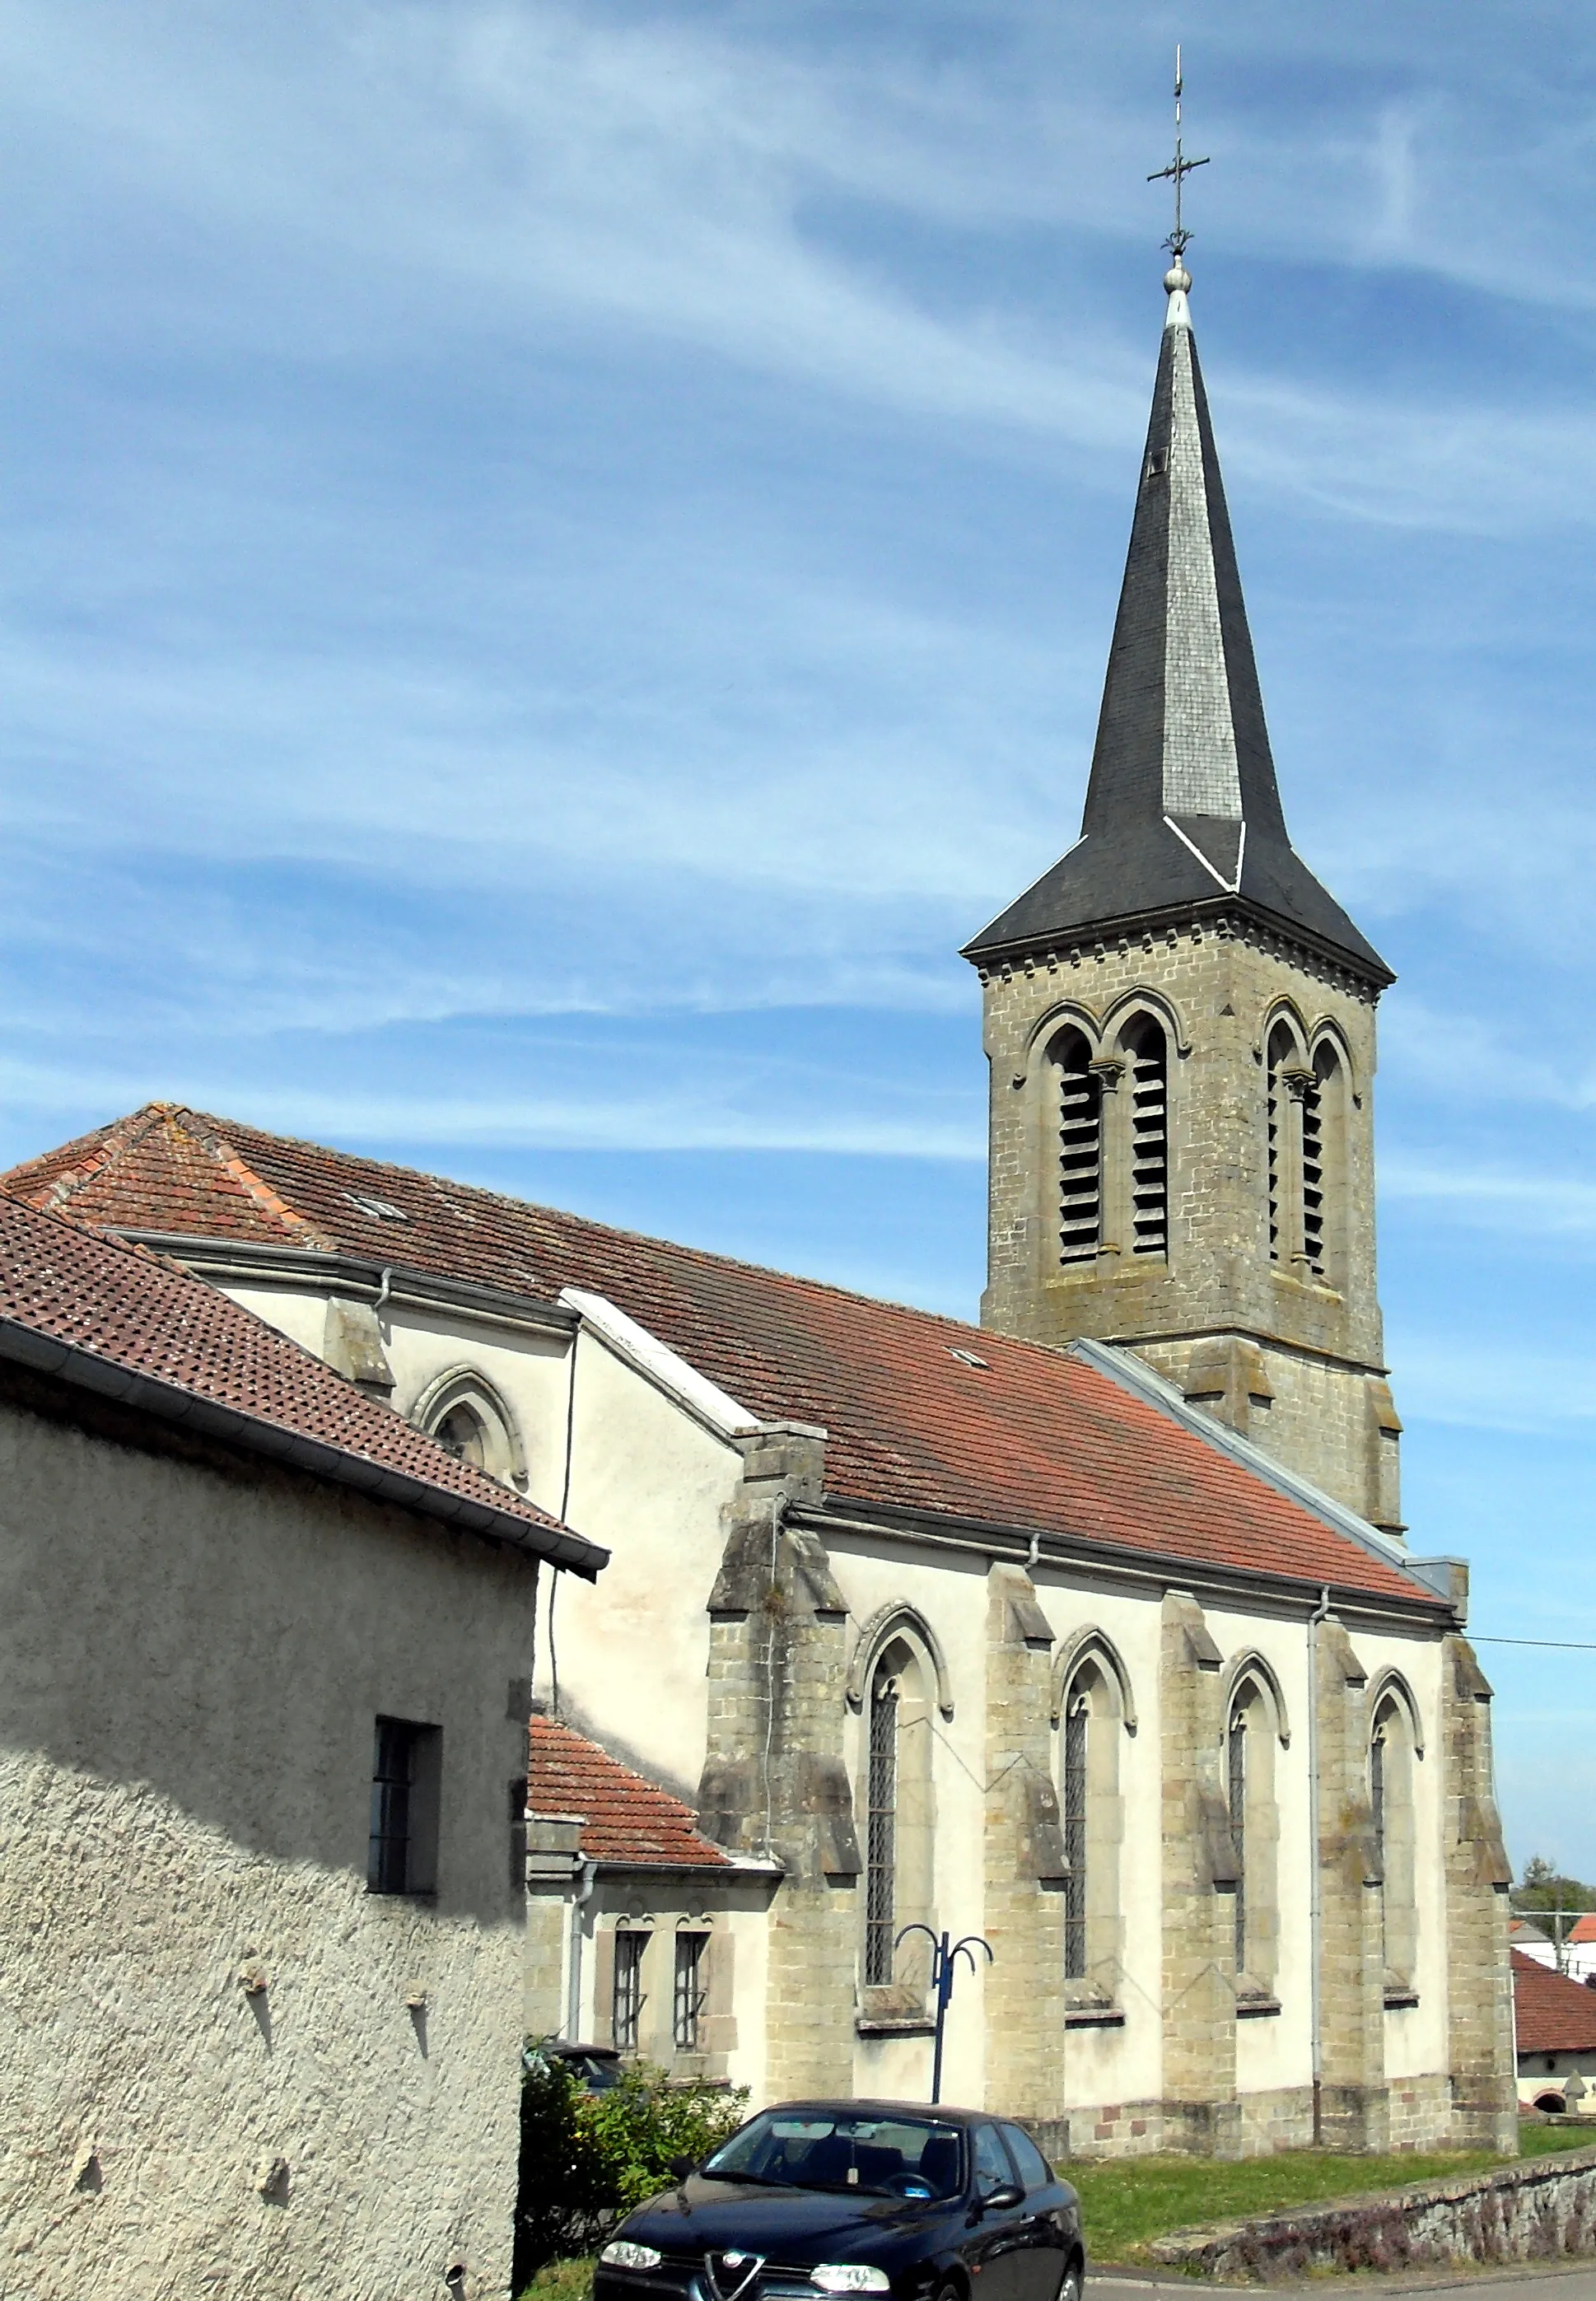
x,y
628,1823
1523,1930
129,1326
1583,1930
925,1416
1551,2015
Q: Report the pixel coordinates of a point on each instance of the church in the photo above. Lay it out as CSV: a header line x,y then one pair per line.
x,y
1091,1633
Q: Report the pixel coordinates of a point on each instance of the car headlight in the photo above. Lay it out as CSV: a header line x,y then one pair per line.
x,y
850,2277
621,2253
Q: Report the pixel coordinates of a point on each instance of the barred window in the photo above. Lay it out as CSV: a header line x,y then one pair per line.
x,y
627,2013
689,1994
1238,1825
402,1844
881,1879
1076,1729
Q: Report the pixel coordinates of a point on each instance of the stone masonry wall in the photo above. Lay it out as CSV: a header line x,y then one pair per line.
x,y
1353,2099
1215,985
1025,1992
1479,1978
773,1779
1199,1864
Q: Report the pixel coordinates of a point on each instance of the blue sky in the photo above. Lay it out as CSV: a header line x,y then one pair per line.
x,y
562,557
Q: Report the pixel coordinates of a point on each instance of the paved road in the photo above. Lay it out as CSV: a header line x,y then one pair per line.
x,y
1576,2283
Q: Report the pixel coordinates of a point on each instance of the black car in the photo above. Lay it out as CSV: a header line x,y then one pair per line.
x,y
858,2196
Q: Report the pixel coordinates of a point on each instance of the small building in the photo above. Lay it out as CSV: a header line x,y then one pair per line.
x,y
264,1663
644,1934
1579,1948
1534,1941
1554,2022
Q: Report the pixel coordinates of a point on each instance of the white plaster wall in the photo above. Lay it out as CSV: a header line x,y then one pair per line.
x,y
191,1660
1277,2050
653,1486
950,1591
1415,2036
648,1482
1123,2065
530,1370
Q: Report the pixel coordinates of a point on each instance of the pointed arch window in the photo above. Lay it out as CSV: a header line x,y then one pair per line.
x,y
1391,1755
1077,1728
899,1848
1080,1150
1145,1051
881,1864
1306,1157
1251,1730
1093,1712
1282,1051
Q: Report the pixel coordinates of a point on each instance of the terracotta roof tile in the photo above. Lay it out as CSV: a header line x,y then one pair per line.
x,y
1031,1437
625,1819
1550,2013
128,1310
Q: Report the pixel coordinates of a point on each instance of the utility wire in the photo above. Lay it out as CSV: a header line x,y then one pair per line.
x,y
1563,1645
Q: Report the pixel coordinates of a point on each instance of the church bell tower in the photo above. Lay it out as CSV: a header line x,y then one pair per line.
x,y
1180,1022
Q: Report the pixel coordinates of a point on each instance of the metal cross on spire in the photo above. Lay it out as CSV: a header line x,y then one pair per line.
x,y
1178,168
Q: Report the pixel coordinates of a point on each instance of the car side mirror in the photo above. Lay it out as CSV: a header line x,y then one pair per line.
x,y
1002,2197
680,2167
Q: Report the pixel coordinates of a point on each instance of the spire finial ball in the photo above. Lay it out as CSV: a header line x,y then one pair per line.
x,y
1177,279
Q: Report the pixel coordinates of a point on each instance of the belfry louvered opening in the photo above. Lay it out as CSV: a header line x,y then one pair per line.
x,y
1281,1051
1080,1150
1145,1055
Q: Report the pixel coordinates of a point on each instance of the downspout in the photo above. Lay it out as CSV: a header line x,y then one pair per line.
x,y
574,1985
1316,1922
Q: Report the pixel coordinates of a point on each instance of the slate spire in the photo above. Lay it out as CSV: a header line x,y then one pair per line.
x,y
1182,807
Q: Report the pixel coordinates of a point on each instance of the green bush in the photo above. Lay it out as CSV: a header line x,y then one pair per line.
x,y
586,2159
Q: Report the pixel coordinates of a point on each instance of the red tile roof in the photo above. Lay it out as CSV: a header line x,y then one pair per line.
x,y
1031,1437
129,1325
1550,2013
626,1820
1583,1930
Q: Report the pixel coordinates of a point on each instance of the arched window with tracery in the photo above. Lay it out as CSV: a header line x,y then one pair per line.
x,y
1080,1150
1145,1051
1251,1730
1392,1749
898,1879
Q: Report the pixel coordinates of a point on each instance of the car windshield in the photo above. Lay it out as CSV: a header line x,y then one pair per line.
x,y
909,2157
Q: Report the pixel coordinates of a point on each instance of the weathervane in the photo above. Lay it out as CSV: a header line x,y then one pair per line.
x,y
1178,168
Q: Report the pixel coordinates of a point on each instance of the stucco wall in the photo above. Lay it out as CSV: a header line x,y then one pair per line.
x,y
192,1655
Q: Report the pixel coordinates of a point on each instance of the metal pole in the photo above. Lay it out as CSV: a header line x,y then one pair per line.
x,y
942,1974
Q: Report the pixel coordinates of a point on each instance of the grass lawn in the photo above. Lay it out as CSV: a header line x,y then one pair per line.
x,y
1127,2202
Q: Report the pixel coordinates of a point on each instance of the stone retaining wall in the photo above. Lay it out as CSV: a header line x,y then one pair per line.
x,y
1539,2209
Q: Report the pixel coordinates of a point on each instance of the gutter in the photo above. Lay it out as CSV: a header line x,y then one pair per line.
x,y
243,1262
86,1370
1226,1584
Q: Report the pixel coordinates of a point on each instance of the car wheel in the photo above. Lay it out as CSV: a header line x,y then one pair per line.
x,y
951,2289
1070,2284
